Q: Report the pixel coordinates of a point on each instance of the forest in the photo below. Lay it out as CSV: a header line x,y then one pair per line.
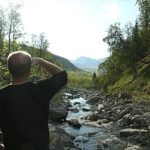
x,y
127,69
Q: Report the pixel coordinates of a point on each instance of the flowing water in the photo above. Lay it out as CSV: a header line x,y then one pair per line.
x,y
86,137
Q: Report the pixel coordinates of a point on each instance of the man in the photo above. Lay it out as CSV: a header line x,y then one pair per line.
x,y
24,105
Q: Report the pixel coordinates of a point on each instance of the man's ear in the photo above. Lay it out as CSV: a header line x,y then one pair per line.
x,y
2,147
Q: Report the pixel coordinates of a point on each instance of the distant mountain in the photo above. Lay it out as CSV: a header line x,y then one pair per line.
x,y
66,64
87,63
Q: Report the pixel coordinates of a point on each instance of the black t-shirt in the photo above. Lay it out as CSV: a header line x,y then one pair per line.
x,y
24,112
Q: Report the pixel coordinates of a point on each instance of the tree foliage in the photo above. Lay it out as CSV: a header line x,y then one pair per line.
x,y
128,47
11,32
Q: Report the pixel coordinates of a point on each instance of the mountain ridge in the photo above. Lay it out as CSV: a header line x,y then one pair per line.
x,y
87,63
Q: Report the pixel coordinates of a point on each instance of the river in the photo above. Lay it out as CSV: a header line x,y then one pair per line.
x,y
86,137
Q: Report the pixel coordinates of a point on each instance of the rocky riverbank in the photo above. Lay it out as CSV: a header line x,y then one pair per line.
x,y
126,122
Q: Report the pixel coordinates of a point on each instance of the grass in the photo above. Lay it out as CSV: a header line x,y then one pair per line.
x,y
138,87
80,79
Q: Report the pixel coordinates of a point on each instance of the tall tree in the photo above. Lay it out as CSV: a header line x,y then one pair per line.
x,y
14,25
144,17
114,38
42,44
2,27
133,47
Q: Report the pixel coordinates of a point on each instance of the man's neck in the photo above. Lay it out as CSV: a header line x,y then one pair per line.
x,y
18,81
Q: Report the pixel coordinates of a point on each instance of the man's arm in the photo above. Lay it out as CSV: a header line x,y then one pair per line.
x,y
50,67
50,86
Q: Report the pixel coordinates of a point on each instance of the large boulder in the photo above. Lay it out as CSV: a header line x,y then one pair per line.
x,y
57,114
74,123
59,139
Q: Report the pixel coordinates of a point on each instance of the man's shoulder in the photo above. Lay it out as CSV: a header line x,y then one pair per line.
x,y
10,86
3,90
4,87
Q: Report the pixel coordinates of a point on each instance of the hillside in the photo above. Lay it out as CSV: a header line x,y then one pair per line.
x,y
63,62
66,64
138,85
87,63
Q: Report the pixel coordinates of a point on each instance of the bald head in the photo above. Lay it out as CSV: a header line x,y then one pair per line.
x,y
19,64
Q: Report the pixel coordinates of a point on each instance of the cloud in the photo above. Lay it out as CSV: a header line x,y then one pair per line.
x,y
111,11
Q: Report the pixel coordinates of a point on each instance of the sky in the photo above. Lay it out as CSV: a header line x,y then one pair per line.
x,y
75,28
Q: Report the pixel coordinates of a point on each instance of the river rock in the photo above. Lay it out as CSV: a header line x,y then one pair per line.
x,y
124,112
100,107
116,110
133,121
70,96
67,104
77,103
59,139
138,121
132,132
146,117
86,109
104,115
124,95
125,121
136,111
112,143
102,121
93,100
90,123
74,109
57,114
74,122
93,117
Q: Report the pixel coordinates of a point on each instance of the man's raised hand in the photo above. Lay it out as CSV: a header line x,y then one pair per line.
x,y
35,61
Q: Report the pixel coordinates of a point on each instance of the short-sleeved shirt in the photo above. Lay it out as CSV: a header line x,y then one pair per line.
x,y
24,112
